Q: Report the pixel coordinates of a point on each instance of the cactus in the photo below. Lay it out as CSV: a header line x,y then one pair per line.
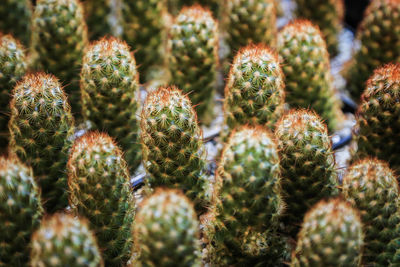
x,y
41,128
328,15
172,143
378,117
254,93
278,8
331,235
379,37
13,65
20,211
174,6
305,62
59,38
99,188
308,164
193,43
16,18
166,231
110,94
249,202
63,240
372,188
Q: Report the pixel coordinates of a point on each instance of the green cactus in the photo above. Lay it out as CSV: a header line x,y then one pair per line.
x,y
166,231
372,188
59,38
379,37
249,202
41,128
328,15
16,18
174,6
254,93
331,235
110,94
13,65
308,164
172,143
63,240
378,117
305,61
20,211
193,44
100,191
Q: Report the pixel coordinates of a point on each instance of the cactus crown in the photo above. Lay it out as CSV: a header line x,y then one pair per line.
x,y
385,79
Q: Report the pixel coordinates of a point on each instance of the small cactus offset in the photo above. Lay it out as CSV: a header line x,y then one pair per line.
x,y
16,19
193,45
100,191
167,232
331,235
254,93
20,211
308,164
379,37
63,240
172,143
59,39
41,127
378,117
305,61
372,188
110,94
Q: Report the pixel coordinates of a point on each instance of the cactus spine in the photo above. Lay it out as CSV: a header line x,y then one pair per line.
x,y
16,18
41,128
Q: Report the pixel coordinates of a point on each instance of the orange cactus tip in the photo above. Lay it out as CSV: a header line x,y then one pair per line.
x,y
295,121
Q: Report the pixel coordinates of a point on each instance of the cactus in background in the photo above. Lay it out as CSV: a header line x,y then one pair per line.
x,y
308,164
16,18
305,61
20,211
379,37
331,235
63,240
278,8
110,94
166,231
193,45
254,93
378,117
100,191
328,15
59,39
372,188
13,65
249,202
41,128
172,143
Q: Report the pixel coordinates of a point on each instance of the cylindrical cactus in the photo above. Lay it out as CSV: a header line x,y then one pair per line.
x,y
110,94
305,61
20,211
41,127
99,188
193,44
16,19
63,240
331,235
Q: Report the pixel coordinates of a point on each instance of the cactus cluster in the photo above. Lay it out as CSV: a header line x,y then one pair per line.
x,y
16,19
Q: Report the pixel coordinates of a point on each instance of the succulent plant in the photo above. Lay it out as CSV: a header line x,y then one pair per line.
x,y
110,94
308,164
305,61
174,6
372,188
166,231
100,191
16,19
63,240
193,45
331,235
379,38
41,128
378,117
59,37
20,211
172,142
